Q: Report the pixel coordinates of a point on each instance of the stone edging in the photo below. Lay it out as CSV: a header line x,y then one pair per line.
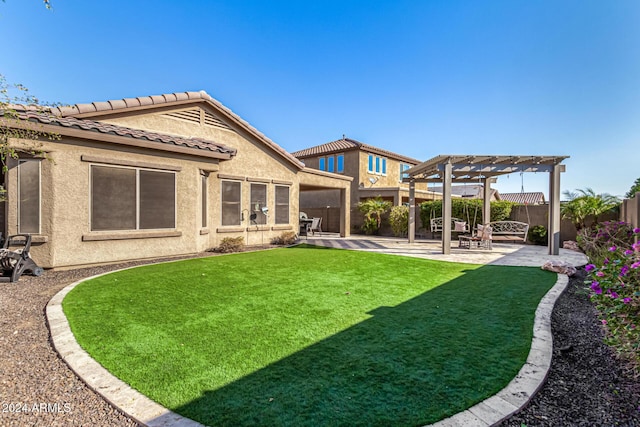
x,y
132,403
149,413
531,377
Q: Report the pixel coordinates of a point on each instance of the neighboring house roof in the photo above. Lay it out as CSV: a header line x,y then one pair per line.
x,y
469,191
348,144
532,198
34,115
107,108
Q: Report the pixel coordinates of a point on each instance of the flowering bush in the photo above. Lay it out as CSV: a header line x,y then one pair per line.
x,y
614,281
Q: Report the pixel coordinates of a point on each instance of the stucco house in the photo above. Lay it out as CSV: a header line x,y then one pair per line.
x,y
150,177
375,172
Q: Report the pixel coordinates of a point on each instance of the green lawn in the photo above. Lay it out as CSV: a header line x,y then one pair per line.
x,y
311,336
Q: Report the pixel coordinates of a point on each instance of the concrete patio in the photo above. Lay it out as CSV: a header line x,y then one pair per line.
x,y
501,254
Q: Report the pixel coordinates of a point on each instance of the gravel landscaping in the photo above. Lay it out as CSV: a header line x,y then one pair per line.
x,y
586,385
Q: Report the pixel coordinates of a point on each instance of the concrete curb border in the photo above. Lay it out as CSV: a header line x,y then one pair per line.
x,y
145,411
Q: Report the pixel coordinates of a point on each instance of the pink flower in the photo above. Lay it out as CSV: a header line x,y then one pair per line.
x,y
624,270
636,246
613,249
626,300
635,264
636,230
600,274
604,322
614,295
628,252
589,267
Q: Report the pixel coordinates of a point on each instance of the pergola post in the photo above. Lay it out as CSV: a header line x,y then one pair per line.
x,y
412,211
486,201
554,210
345,213
446,208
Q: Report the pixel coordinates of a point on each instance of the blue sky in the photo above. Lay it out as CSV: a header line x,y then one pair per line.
x,y
420,78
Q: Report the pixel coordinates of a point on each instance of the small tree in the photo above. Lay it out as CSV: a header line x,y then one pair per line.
x,y
584,203
16,104
373,209
635,188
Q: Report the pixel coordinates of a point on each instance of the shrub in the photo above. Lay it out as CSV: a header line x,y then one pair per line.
x,y
373,210
230,244
538,235
614,282
469,210
595,242
399,220
287,238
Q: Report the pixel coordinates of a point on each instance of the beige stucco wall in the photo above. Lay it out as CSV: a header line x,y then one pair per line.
x,y
66,238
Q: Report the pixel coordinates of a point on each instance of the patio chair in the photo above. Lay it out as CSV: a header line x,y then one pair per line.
x,y
316,225
485,234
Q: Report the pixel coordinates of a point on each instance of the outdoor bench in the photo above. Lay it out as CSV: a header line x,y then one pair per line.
x,y
509,231
436,225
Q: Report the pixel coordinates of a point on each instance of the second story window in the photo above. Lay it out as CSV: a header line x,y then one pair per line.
x,y
377,165
330,164
340,163
322,163
404,167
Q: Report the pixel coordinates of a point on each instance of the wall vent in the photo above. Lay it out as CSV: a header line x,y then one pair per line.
x,y
199,116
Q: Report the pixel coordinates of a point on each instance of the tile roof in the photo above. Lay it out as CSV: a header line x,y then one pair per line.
x,y
95,109
33,115
347,144
532,198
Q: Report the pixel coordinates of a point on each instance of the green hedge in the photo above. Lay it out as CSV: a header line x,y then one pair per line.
x,y
469,210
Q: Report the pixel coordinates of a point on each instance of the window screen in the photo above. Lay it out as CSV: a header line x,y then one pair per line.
x,y
231,203
157,200
340,163
116,203
282,205
204,178
321,163
113,198
29,196
258,201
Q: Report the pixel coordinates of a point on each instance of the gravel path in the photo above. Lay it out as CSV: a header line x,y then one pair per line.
x,y
586,385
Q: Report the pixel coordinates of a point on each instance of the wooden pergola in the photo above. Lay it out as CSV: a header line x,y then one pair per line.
x,y
447,169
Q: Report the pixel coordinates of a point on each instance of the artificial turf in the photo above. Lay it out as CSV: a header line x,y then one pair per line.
x,y
311,336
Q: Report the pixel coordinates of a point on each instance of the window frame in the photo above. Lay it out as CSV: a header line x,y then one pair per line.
x,y
402,169
204,199
277,205
259,213
340,163
137,198
19,189
222,203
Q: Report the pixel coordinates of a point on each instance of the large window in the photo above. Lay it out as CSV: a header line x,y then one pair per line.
x,y
332,163
258,201
132,199
231,192
29,196
377,165
282,204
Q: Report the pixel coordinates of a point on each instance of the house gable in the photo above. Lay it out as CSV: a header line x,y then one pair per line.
x,y
186,114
